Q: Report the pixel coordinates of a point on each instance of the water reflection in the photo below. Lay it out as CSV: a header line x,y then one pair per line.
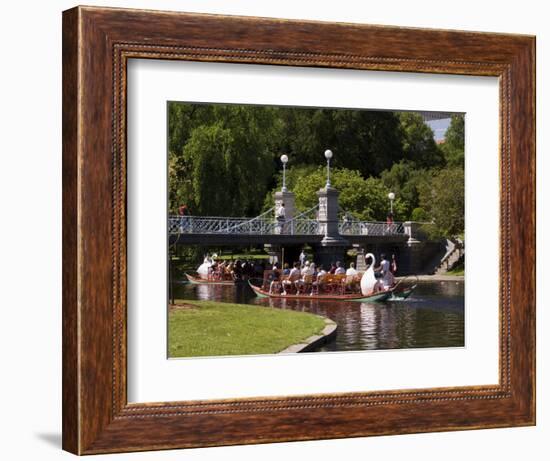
x,y
432,317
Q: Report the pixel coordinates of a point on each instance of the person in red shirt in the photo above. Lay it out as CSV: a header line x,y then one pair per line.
x,y
389,222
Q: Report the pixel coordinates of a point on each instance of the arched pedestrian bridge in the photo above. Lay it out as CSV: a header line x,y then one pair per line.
x,y
265,229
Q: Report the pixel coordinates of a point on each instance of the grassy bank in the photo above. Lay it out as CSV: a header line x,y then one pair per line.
x,y
457,270
206,328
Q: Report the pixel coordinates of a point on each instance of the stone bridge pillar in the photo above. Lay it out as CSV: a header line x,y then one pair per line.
x,y
328,214
412,229
360,263
288,199
333,245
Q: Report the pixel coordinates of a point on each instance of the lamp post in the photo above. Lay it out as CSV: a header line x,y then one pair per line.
x,y
284,160
328,156
391,196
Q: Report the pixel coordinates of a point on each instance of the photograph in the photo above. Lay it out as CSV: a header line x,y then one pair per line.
x,y
313,229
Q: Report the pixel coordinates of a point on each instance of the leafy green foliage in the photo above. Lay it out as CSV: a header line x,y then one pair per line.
x,y
419,215
404,180
365,199
221,160
366,141
443,200
419,146
453,147
224,160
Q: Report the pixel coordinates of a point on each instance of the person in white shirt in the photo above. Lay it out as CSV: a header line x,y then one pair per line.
x,y
306,270
281,217
339,269
294,272
307,277
387,277
351,270
292,277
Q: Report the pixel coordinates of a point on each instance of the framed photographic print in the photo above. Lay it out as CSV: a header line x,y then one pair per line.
x,y
281,230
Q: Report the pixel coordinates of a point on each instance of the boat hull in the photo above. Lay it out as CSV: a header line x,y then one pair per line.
x,y
382,296
199,281
403,294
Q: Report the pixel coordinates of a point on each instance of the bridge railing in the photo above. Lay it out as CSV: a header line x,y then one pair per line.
x,y
301,227
302,224
240,226
370,228
270,226
219,225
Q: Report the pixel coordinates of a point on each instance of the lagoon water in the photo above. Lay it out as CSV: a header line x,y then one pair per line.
x,y
432,317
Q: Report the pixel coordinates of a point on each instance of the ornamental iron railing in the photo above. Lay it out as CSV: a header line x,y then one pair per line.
x,y
262,225
373,228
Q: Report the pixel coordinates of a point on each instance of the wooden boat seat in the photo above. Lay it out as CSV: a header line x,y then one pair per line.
x,y
334,283
352,283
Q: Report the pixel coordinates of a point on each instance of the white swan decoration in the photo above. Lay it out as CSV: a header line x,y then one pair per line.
x,y
368,280
204,267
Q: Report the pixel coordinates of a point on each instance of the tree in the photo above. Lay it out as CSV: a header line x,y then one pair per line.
x,y
419,146
221,157
443,201
405,181
361,140
365,199
453,147
209,151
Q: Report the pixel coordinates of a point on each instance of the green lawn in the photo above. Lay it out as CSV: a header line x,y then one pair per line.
x,y
206,328
457,270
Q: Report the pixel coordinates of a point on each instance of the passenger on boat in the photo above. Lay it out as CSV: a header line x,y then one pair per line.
x,y
387,277
237,270
221,272
245,270
275,277
286,269
318,280
306,277
314,270
332,269
378,286
293,276
339,269
218,270
351,270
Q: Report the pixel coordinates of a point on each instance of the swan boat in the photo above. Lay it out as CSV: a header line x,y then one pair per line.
x,y
206,277
380,296
369,292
